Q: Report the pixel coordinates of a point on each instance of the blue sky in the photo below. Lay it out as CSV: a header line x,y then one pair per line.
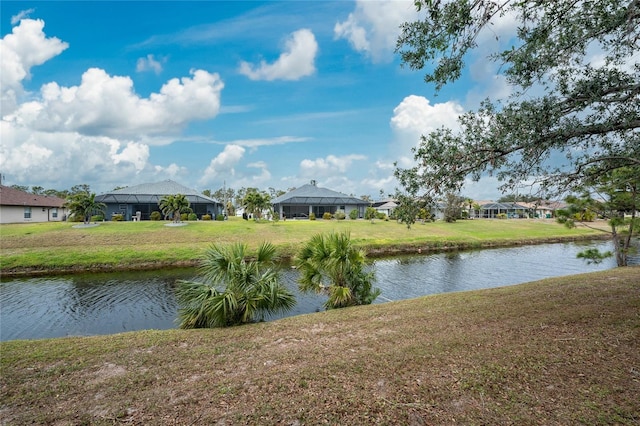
x,y
242,93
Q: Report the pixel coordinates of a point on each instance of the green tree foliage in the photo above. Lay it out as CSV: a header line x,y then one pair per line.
x,y
256,202
20,188
565,104
174,206
330,264
614,196
453,207
233,290
83,188
370,213
407,210
222,195
84,205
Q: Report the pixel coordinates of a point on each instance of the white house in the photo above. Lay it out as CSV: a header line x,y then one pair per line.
x,y
18,206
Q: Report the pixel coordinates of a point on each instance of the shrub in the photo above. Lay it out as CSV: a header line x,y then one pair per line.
x,y
206,217
340,215
98,218
501,216
326,216
117,217
276,216
220,217
184,216
192,216
585,216
155,215
381,216
353,214
312,216
75,218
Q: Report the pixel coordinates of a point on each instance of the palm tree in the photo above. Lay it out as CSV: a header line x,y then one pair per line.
x,y
85,205
330,264
255,203
174,205
247,288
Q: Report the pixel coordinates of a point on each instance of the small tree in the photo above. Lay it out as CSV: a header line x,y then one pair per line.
x,y
370,213
452,207
233,290
407,210
255,203
616,194
330,264
174,206
83,204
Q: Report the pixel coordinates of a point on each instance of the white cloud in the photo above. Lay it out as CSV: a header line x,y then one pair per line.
x,y
297,60
23,14
26,47
414,117
172,171
58,158
328,166
149,63
223,164
374,26
108,105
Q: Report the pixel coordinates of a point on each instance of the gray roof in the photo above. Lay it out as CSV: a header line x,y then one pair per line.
x,y
503,206
152,193
311,194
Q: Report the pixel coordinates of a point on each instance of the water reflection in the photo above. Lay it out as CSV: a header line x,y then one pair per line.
x,y
91,304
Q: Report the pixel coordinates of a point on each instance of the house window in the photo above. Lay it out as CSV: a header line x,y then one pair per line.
x,y
27,212
122,207
54,213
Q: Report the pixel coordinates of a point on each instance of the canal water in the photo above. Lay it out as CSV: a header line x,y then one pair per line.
x,y
108,303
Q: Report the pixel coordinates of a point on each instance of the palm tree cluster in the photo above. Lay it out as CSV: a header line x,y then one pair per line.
x,y
84,205
233,289
256,202
329,263
174,206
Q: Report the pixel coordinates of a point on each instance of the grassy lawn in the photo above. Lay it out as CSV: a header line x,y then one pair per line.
x,y
51,247
555,352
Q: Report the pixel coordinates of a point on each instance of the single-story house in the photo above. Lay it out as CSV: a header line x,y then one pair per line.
x,y
386,206
544,209
301,202
18,206
512,210
140,201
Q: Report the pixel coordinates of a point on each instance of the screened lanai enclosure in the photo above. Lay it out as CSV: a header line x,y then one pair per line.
x,y
301,202
511,210
139,201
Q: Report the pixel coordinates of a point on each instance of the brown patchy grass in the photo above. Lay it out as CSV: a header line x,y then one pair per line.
x,y
554,352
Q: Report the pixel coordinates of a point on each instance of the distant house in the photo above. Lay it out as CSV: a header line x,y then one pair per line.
x,y
18,206
386,206
309,198
144,198
544,209
511,210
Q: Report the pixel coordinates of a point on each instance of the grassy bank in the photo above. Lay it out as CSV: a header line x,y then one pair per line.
x,y
58,247
554,352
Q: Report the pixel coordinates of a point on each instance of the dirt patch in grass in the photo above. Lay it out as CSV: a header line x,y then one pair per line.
x,y
555,352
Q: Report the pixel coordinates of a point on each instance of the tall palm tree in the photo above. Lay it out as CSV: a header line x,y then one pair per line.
x,y
85,205
174,205
329,263
232,290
